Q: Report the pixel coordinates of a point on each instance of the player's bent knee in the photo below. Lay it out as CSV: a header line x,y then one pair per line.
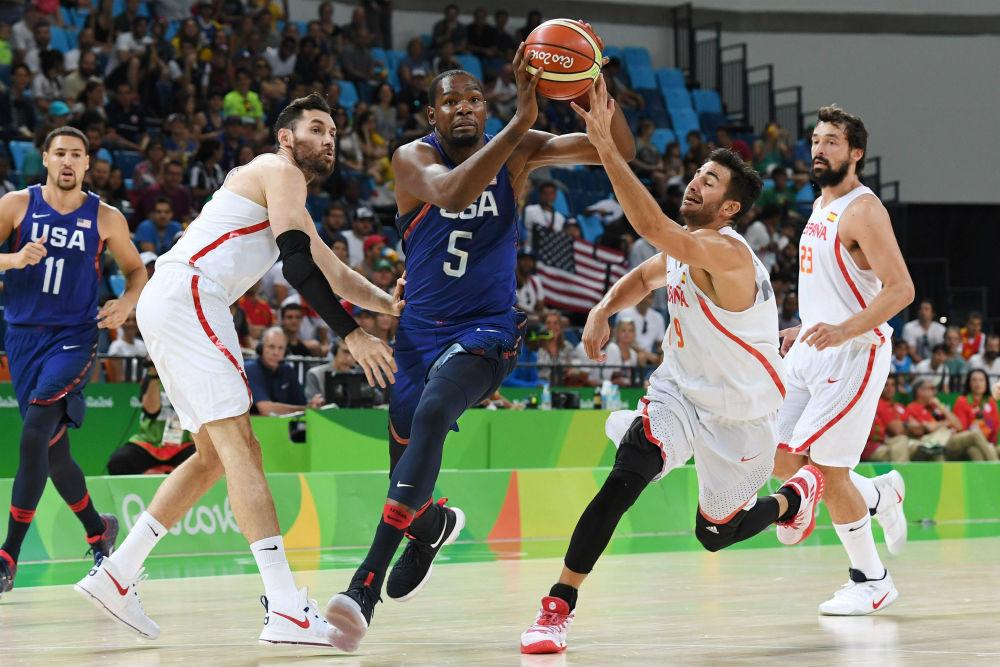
x,y
621,490
715,536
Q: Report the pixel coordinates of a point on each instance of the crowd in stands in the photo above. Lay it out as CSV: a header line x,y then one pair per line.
x,y
172,94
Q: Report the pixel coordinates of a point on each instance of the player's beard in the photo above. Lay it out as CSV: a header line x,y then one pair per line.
x,y
703,217
830,177
66,187
312,162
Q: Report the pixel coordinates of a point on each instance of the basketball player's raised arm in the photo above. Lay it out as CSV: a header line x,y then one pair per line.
x,y
627,291
419,173
708,250
285,195
13,206
867,224
114,231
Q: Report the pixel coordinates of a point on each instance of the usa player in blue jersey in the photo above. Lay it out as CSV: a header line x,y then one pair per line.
x,y
57,233
456,192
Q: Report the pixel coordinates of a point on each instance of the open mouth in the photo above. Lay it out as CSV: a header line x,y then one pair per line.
x,y
691,200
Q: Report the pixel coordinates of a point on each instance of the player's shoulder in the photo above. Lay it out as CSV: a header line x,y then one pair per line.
x,y
417,150
867,205
14,204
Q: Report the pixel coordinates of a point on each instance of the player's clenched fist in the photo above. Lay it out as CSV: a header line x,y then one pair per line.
x,y
30,254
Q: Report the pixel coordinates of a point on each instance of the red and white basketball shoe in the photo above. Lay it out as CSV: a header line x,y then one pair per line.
x,y
106,588
299,623
548,633
808,483
889,511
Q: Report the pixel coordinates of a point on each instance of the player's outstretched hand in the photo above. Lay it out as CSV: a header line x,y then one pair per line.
x,y
374,357
598,117
787,338
32,253
527,103
822,336
113,314
596,334
398,302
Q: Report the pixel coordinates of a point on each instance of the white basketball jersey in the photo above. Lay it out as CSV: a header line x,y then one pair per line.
x,y
230,243
831,286
723,362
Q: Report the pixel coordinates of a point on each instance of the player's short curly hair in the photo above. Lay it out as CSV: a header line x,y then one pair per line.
x,y
744,181
291,114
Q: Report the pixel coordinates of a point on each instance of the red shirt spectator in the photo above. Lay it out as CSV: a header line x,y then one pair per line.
x,y
973,338
889,417
257,310
977,408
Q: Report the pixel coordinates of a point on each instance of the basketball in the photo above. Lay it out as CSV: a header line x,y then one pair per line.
x,y
570,55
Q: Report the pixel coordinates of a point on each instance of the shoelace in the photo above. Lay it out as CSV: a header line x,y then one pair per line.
x,y
142,576
551,619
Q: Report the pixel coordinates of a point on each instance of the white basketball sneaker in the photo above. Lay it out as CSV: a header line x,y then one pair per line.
x,y
861,596
300,623
808,483
106,588
548,633
889,511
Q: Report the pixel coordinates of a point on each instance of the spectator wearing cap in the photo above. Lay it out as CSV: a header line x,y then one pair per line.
x,y
149,261
384,275
170,185
923,333
650,326
543,214
243,102
59,114
274,383
160,231
373,247
530,291
989,359
362,226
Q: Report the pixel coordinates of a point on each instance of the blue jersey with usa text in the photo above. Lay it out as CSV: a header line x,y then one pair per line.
x,y
461,265
62,288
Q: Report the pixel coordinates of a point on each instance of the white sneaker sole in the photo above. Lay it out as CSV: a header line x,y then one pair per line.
x,y
277,639
96,601
886,601
452,536
347,624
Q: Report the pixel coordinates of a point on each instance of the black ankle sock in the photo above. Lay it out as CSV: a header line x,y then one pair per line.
x,y
565,592
794,501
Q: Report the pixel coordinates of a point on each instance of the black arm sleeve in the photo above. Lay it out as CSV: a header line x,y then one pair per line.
x,y
302,273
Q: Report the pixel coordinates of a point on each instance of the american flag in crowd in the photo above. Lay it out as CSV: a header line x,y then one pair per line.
x,y
575,274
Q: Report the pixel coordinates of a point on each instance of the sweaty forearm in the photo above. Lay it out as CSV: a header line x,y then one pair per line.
x,y
460,186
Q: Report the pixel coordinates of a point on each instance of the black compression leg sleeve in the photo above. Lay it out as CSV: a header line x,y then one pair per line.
x,y
69,482
596,525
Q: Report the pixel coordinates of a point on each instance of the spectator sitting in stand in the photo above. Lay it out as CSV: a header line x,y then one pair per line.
x,y
161,443
415,66
506,46
902,363
649,325
622,353
126,120
338,244
243,102
448,30
697,149
373,247
128,343
257,310
530,291
763,236
923,333
502,95
362,226
148,172
343,362
171,186
282,59
934,369
557,351
955,363
888,441
158,233
935,424
525,374
781,193
384,275
206,175
976,408
543,214
445,60
481,37
292,315
788,316
274,384
334,224
973,338
989,358
618,89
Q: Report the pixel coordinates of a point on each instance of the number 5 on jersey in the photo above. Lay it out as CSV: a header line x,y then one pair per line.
x,y
463,255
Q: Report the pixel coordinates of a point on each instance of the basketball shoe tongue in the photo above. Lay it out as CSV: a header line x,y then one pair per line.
x,y
553,606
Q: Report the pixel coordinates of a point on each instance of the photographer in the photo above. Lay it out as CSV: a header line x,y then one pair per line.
x,y
342,364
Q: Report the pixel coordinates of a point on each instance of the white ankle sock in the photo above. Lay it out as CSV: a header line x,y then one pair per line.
x,y
135,548
860,545
279,586
866,487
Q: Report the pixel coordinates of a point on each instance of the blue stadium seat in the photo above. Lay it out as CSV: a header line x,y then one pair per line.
x,y
561,204
127,160
470,63
18,151
637,56
684,121
118,7
61,39
74,19
670,78
706,101
642,78
677,99
493,125
614,52
172,28
710,122
661,137
348,95
378,53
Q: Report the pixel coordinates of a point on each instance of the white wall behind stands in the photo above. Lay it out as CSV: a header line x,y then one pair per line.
x,y
929,101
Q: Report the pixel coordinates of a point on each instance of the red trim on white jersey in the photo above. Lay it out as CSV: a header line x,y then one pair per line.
x,y
236,233
742,343
840,415
211,334
851,283
647,427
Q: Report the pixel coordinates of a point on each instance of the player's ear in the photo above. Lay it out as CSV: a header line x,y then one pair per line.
x,y
857,154
430,115
731,208
285,137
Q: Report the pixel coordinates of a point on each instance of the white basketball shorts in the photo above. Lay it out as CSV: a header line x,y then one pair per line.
x,y
733,457
831,399
188,329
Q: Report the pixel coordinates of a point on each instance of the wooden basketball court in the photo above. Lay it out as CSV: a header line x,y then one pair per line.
x,y
741,607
